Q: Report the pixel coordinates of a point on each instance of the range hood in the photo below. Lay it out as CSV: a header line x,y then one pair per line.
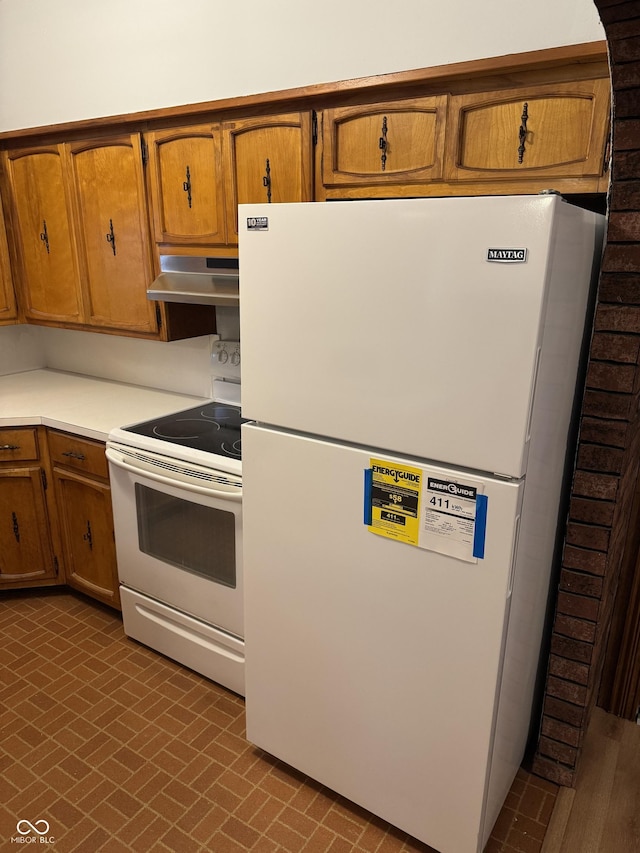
x,y
205,281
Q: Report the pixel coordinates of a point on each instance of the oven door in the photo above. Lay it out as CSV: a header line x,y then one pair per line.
x,y
179,535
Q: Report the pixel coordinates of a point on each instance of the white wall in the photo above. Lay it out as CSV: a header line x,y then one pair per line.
x,y
75,59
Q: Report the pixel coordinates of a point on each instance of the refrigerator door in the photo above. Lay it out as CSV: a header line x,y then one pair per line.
x,y
372,665
385,323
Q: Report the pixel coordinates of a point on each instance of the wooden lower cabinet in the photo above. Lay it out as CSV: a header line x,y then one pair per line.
x,y
26,553
58,501
56,521
85,517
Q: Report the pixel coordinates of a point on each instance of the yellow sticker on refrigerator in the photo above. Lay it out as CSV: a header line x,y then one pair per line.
x,y
425,508
395,501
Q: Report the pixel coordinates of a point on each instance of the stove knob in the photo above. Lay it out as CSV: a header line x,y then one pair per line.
x,y
235,358
223,356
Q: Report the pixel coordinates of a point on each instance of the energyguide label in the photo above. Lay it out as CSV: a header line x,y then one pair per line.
x,y
421,508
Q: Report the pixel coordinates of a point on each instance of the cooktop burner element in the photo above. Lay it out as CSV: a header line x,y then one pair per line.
x,y
232,450
184,429
212,427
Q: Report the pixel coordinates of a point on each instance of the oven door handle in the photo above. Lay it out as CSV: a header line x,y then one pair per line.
x,y
118,460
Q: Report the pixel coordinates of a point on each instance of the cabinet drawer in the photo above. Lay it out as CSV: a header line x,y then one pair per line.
x,y
81,454
18,444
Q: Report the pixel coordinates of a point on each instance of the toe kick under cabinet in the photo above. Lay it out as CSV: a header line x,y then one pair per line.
x,y
85,518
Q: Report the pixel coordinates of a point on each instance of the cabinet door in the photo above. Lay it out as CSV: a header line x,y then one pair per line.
x,y
113,232
555,130
25,544
396,142
48,276
186,185
86,520
8,311
267,160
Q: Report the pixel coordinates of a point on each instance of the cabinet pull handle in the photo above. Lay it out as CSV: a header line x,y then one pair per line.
x,y
73,455
111,236
522,133
9,447
186,186
383,144
44,235
88,537
266,180
16,526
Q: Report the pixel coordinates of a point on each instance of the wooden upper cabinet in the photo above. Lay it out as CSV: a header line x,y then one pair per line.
x,y
85,241
114,244
47,274
267,159
81,240
185,166
552,130
8,309
395,142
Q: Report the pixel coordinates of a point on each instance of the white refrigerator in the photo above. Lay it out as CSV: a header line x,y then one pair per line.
x,y
409,368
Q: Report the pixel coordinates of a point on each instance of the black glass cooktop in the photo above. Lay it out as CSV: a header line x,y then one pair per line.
x,y
211,427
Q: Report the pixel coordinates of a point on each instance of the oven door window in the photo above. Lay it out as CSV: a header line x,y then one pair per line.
x,y
196,538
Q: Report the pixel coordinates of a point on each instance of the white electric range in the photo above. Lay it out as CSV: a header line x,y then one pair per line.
x,y
177,502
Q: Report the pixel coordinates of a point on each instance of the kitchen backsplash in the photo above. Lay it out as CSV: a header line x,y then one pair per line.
x,y
20,349
181,366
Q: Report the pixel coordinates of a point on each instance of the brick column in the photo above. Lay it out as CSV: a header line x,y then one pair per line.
x,y
606,466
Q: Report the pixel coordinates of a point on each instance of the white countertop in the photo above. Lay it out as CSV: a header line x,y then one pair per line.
x,y
82,404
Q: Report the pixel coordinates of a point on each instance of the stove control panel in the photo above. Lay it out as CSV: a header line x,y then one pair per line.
x,y
225,359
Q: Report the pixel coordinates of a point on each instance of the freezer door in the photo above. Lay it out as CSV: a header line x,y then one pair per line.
x,y
386,323
372,665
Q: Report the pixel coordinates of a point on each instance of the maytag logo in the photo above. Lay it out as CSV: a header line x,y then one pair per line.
x,y
257,223
507,256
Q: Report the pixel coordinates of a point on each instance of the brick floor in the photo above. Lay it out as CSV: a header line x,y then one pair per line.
x,y
119,749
